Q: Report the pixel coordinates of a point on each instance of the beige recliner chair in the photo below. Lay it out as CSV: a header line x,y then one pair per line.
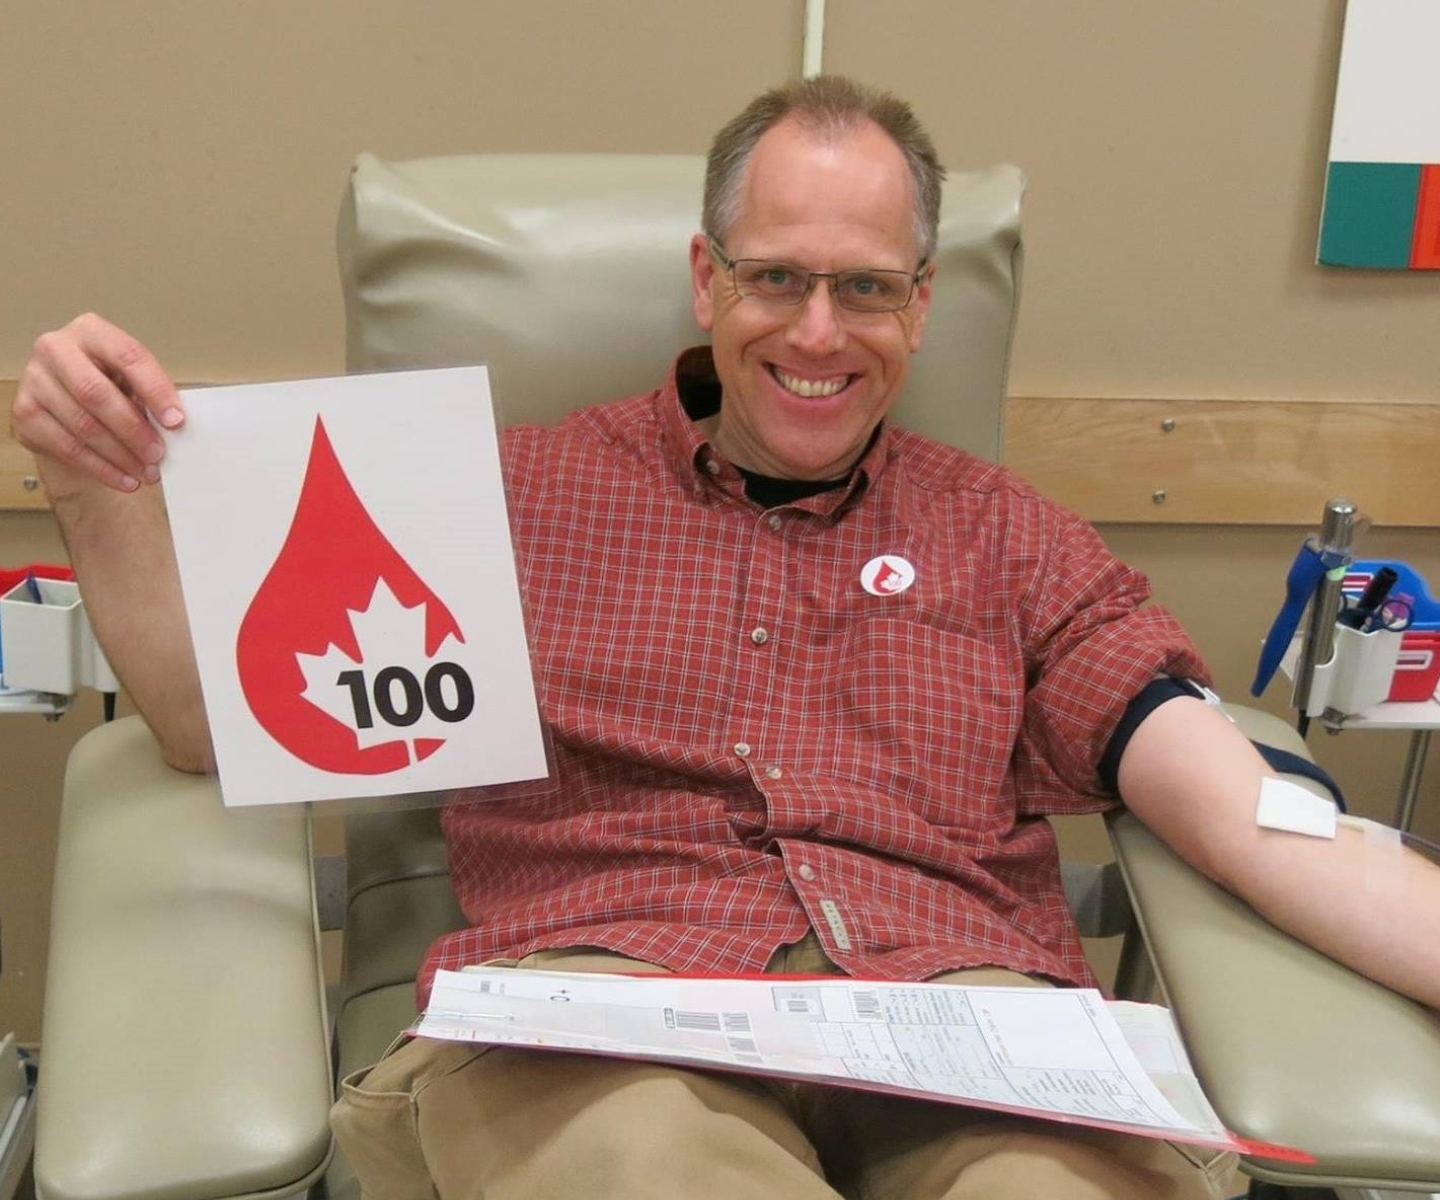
x,y
185,1045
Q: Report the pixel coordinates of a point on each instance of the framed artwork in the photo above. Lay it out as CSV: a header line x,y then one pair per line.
x,y
1382,183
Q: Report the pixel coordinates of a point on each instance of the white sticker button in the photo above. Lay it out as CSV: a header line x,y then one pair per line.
x,y
887,575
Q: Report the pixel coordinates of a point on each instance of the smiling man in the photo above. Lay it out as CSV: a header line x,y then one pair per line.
x,y
811,363
814,684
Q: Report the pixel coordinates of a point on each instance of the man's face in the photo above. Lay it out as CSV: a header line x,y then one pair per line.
x,y
804,387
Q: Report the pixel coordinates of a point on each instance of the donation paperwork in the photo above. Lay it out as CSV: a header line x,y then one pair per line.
x,y
1060,1054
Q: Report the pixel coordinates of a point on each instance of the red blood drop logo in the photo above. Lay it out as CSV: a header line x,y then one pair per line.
x,y
887,579
329,568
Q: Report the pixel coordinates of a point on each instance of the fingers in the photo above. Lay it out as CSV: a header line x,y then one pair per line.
x,y
49,423
87,398
126,361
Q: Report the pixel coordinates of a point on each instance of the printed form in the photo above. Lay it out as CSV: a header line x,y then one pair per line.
x,y
1061,1054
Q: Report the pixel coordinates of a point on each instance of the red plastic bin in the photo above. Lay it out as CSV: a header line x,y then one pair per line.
x,y
1417,673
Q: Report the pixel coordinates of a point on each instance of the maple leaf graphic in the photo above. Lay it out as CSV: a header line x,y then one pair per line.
x,y
388,694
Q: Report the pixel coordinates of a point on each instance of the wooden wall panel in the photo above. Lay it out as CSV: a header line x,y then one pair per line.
x,y
19,487
1164,462
1229,462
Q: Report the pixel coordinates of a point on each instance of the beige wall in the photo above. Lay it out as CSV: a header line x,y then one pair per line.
x,y
1175,154
176,165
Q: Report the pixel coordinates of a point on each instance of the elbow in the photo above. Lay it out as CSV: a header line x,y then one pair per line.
x,y
190,752
189,761
181,729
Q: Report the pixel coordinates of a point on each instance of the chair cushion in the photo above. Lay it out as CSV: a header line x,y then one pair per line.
x,y
1289,1047
389,926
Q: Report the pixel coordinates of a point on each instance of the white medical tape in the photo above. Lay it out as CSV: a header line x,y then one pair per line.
x,y
1374,832
1382,842
1291,808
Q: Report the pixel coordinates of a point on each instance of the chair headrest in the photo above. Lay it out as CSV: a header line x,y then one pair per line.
x,y
568,275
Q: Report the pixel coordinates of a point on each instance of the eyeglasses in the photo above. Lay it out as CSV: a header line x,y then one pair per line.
x,y
863,290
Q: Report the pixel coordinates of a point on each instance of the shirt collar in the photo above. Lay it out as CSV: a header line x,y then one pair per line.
x,y
692,393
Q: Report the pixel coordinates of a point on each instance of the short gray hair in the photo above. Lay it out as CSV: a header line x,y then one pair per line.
x,y
828,105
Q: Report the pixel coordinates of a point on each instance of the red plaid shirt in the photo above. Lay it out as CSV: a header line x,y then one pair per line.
x,y
749,745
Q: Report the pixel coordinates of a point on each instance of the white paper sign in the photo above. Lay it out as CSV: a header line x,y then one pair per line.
x,y
351,587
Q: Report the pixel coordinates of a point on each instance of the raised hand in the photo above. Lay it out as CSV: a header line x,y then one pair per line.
x,y
89,400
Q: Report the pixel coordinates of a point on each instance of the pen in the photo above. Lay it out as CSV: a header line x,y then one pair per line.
x,y
33,585
1362,616
1304,577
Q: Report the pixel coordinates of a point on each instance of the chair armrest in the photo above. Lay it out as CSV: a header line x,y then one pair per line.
x,y
184,1053
1290,1046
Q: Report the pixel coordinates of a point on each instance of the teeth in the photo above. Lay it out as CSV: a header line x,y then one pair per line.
x,y
811,388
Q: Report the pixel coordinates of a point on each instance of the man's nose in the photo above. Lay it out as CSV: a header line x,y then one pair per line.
x,y
818,326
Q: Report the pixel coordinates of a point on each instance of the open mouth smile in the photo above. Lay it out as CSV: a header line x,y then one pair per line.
x,y
811,389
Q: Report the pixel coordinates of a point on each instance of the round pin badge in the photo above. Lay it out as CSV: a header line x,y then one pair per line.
x,y
887,575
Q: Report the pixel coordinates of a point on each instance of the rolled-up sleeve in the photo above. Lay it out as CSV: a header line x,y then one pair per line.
x,y
1092,643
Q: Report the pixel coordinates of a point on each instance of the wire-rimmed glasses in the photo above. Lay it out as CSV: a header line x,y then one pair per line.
x,y
861,289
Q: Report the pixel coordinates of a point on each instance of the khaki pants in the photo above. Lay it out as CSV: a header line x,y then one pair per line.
x,y
454,1121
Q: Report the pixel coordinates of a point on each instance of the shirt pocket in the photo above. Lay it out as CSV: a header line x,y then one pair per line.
x,y
939,705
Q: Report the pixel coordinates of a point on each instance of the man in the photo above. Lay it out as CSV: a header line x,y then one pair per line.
x,y
765,758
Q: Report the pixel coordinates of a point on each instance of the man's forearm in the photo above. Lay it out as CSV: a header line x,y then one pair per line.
x,y
1194,779
124,560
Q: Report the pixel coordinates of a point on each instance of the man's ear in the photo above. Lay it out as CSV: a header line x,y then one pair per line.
x,y
702,272
920,310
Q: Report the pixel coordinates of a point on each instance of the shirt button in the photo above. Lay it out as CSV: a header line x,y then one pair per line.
x,y
775,520
759,635
742,749
807,873
712,466
773,772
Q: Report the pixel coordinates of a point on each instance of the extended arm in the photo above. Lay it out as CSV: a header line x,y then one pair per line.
x,y
1194,779
84,410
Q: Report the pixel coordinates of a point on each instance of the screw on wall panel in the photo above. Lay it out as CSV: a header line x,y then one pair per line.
x,y
1159,496
29,483
1168,425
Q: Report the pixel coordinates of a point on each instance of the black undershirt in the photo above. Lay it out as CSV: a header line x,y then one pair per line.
x,y
769,492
